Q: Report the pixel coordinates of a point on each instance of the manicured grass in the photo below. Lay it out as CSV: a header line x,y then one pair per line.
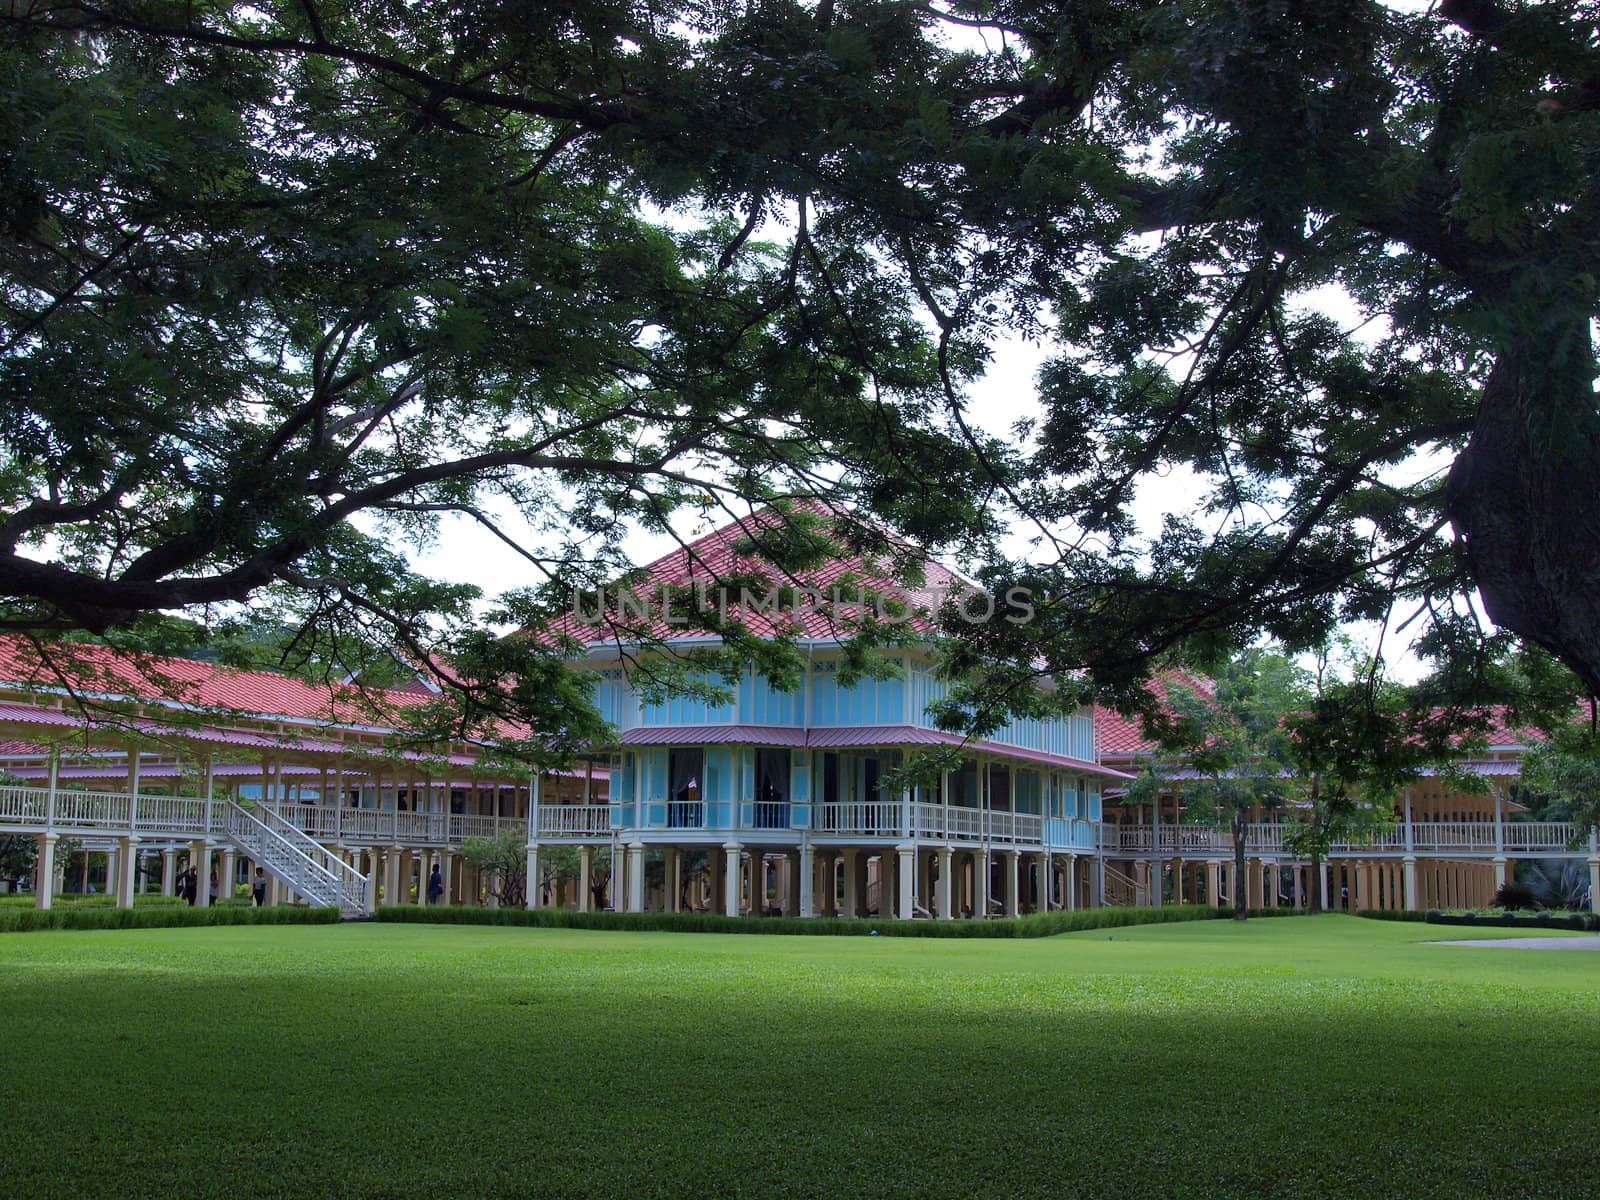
x,y
1318,1056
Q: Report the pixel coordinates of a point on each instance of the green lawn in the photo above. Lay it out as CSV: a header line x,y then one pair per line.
x,y
1329,1056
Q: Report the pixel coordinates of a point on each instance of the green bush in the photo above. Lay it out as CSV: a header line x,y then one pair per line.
x,y
26,920
1544,920
1392,914
79,900
1031,926
1512,895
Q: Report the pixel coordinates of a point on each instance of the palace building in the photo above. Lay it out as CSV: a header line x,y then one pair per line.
x,y
766,801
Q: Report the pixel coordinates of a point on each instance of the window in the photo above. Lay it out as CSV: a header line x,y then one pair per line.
x,y
1000,788
685,770
772,776
772,789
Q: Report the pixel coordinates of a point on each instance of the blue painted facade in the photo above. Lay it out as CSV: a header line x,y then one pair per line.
x,y
707,788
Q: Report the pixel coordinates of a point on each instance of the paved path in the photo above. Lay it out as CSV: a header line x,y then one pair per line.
x,y
1532,943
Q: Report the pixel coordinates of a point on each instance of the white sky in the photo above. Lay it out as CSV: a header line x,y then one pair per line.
x,y
466,552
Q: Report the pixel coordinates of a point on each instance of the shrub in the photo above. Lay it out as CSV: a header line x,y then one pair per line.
x,y
1395,914
79,900
1511,895
1031,926
1510,921
25,920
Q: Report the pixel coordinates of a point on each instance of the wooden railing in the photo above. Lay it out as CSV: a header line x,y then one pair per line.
x,y
575,821
870,818
1475,838
117,813
1122,890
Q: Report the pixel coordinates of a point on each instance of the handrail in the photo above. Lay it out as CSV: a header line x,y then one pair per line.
x,y
324,881
342,871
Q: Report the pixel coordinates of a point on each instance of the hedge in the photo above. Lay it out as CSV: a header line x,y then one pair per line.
x,y
26,920
78,900
1031,926
1544,920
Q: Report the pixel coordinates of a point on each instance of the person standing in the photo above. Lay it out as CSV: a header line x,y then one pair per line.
x,y
435,885
258,888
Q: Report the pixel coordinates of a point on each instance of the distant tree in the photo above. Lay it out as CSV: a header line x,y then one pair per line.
x,y
559,864
284,285
504,858
1353,742
1234,741
18,853
1565,771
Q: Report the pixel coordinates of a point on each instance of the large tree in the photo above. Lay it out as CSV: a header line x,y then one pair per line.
x,y
1161,188
283,285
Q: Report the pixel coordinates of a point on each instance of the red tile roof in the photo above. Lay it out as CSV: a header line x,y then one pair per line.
x,y
99,669
719,555
1117,736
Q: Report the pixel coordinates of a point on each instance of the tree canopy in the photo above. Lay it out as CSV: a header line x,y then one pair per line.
x,y
269,266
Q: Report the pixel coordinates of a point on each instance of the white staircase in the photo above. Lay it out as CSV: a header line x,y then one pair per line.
x,y
296,860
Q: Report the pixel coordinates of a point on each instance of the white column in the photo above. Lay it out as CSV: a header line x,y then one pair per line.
x,y
669,878
446,862
169,872
635,876
391,874
1069,879
128,860
1010,882
980,883
905,877
808,880
1594,883
531,899
225,873
44,872
585,878
730,878
943,884
851,899
200,864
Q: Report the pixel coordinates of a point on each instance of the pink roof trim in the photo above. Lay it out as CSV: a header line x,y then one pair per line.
x,y
710,735
838,737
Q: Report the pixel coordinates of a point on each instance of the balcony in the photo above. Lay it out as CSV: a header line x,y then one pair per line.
x,y
768,814
686,814
589,821
1473,839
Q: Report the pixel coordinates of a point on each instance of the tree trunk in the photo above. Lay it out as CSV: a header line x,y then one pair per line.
x,y
1524,496
1318,900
